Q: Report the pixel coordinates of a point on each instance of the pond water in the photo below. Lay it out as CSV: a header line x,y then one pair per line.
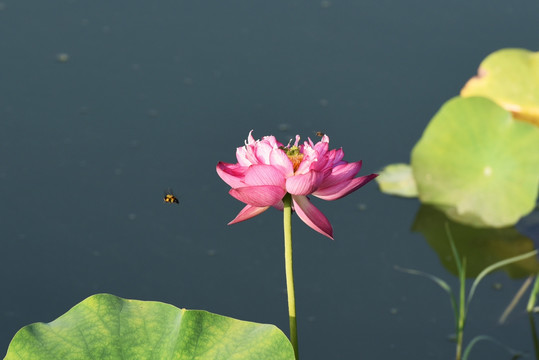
x,y
104,105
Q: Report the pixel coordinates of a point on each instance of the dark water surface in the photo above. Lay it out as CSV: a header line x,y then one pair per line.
x,y
154,93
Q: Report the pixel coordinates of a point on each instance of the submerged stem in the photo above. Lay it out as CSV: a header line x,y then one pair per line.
x,y
287,222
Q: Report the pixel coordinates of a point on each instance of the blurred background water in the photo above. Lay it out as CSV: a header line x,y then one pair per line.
x,y
104,105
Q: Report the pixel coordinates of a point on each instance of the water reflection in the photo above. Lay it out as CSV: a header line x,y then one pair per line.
x,y
481,247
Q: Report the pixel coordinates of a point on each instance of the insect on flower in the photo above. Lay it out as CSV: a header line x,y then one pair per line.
x,y
169,197
267,170
319,133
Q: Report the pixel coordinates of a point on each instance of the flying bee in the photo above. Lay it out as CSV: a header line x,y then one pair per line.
x,y
169,197
320,133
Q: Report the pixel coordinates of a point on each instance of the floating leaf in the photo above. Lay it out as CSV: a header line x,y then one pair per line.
x,y
510,77
108,327
397,179
477,163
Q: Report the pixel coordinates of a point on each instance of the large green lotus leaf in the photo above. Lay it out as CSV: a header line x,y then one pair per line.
x,y
481,247
397,179
107,327
477,163
510,77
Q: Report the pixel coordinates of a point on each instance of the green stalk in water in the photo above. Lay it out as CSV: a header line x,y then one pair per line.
x,y
287,222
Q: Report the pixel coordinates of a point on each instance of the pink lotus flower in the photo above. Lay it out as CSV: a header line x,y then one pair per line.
x,y
267,170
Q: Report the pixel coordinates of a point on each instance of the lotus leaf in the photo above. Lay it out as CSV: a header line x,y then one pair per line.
x,y
478,164
397,179
107,327
510,77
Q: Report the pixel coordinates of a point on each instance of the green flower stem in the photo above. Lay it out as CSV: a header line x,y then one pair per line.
x,y
533,296
462,309
287,222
